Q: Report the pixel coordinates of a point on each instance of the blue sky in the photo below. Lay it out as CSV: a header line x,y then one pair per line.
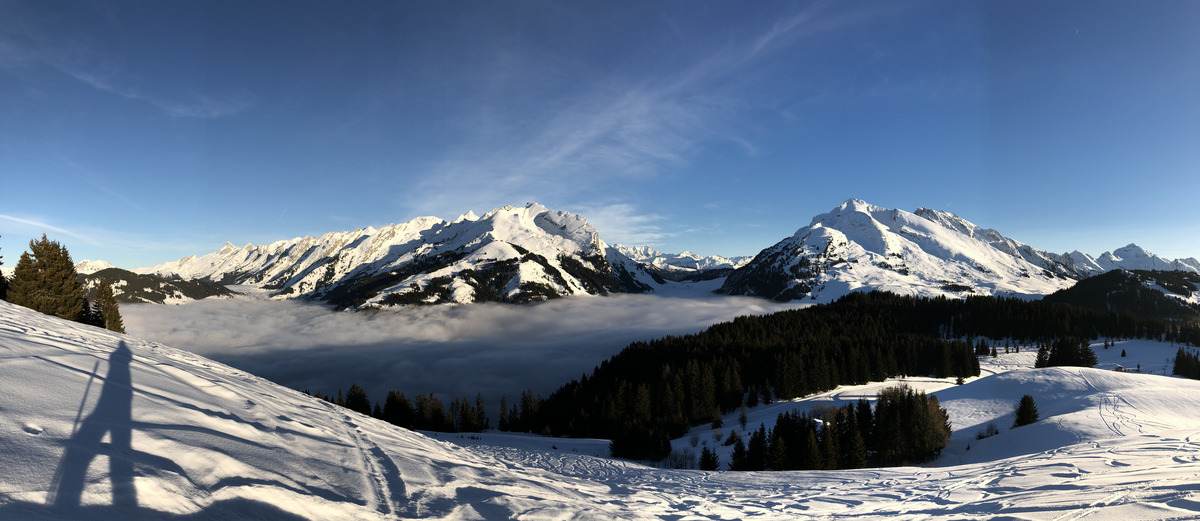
x,y
142,132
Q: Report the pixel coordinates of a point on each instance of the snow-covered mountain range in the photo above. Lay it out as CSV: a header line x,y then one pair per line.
x,y
511,254
686,261
1131,257
858,246
520,254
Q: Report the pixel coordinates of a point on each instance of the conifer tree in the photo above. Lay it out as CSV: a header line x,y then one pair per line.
x,y
356,399
45,280
110,312
3,283
1027,412
503,422
709,459
91,314
737,458
397,410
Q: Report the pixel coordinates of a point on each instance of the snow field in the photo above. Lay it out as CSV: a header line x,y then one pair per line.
x,y
141,429
99,425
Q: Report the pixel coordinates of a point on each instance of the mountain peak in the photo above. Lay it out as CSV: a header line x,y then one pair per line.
x,y
859,247
1133,249
469,216
856,205
511,254
88,267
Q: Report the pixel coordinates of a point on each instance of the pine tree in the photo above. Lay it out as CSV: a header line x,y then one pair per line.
x,y
737,458
709,459
1027,412
397,410
503,422
45,281
481,412
3,283
356,400
110,312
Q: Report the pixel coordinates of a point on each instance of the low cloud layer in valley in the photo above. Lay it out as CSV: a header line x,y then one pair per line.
x,y
494,349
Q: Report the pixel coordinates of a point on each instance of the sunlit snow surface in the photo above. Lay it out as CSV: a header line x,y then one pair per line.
x,y
91,429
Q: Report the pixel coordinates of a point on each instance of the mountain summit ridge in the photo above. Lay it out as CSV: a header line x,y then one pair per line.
x,y
510,254
530,253
860,246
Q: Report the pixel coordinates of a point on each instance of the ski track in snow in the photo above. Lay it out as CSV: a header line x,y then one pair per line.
x,y
212,442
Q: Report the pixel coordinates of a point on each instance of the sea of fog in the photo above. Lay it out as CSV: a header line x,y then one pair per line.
x,y
449,350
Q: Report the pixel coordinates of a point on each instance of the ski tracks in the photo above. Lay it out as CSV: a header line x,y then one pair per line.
x,y
380,475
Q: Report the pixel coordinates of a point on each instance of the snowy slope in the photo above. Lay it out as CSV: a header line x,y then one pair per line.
x,y
509,254
858,246
1108,445
99,425
95,424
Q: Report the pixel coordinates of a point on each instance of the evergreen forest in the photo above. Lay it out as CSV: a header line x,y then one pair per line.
x,y
654,391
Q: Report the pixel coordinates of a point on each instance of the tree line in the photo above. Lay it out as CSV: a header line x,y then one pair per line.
x,y
1187,364
906,427
652,392
426,412
45,281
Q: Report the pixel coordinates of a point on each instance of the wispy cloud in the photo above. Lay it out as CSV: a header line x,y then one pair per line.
x,y
186,105
24,43
620,128
99,182
39,226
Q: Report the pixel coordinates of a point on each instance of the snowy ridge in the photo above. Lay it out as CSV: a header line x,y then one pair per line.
x,y
680,261
1131,257
1047,261
858,246
509,254
88,267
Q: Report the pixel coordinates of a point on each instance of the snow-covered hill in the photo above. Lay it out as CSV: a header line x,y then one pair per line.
x,y
1108,445
129,287
99,425
858,246
509,255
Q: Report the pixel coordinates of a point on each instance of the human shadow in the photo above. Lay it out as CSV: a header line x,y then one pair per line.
x,y
223,510
113,415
